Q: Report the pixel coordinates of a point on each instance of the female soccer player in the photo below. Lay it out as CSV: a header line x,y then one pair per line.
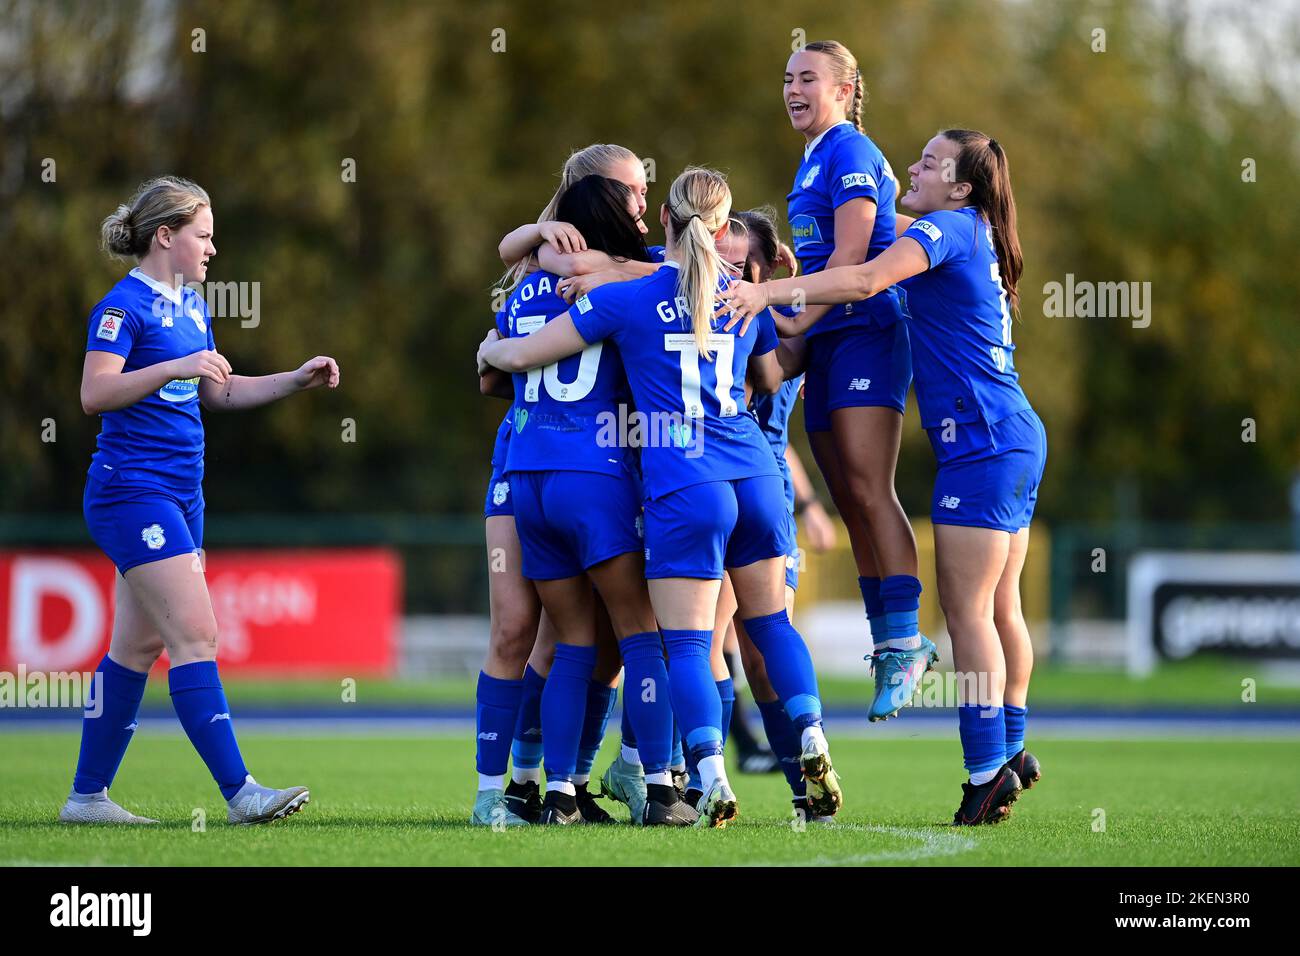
x,y
578,515
151,361
959,263
841,212
773,414
521,637
714,497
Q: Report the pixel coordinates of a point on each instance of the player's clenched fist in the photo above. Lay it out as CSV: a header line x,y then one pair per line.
x,y
208,363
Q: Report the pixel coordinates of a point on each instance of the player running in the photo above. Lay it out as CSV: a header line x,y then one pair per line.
x,y
959,263
841,212
578,515
151,362
714,497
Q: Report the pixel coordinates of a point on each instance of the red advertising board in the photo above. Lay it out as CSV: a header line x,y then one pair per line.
x,y
326,612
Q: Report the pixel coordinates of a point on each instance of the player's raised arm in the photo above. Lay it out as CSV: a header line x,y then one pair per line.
x,y
904,259
558,246
523,241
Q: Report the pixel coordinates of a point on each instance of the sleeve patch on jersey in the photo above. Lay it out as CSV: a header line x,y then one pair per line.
x,y
584,305
857,179
110,325
930,229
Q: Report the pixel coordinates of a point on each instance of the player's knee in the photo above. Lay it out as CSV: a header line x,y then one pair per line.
x,y
192,637
872,496
141,655
512,639
963,618
149,652
1008,620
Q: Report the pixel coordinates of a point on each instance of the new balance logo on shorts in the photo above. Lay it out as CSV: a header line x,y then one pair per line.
x,y
948,501
859,385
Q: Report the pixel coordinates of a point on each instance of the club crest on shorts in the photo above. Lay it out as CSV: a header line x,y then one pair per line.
x,y
153,537
500,492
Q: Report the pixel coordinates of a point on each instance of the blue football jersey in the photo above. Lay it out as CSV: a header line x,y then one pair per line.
x,y
559,410
161,435
961,323
694,426
773,414
844,164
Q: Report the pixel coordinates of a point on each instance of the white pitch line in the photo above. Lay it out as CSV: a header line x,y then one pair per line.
x,y
932,844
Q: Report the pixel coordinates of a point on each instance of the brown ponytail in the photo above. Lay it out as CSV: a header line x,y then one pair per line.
x,y
982,162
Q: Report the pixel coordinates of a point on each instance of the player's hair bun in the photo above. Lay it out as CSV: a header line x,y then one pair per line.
x,y
116,234
165,201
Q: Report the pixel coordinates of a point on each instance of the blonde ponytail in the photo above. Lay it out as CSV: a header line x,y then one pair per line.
x,y
699,204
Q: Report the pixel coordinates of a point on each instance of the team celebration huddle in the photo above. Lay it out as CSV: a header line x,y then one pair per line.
x,y
640,514
640,550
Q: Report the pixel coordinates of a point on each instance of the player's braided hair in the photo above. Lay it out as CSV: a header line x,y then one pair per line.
x,y
844,70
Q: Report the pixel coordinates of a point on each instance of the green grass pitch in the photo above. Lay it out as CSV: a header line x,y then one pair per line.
x,y
404,800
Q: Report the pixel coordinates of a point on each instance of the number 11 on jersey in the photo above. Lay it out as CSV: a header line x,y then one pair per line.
x,y
724,350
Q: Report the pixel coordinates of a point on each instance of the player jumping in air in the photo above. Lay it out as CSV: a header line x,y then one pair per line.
x,y
959,263
841,212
